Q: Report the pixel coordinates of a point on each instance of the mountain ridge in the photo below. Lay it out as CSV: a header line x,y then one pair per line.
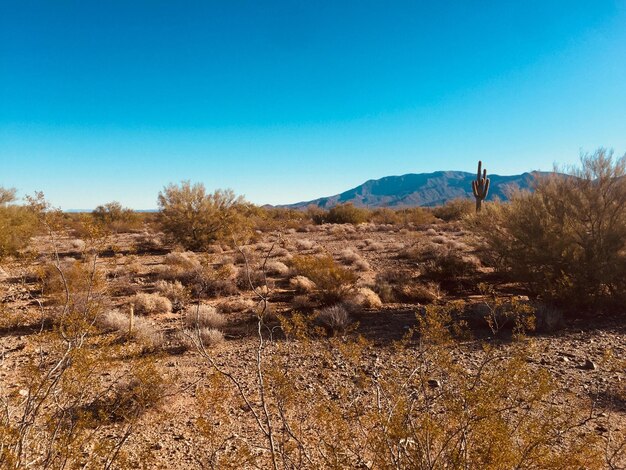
x,y
419,189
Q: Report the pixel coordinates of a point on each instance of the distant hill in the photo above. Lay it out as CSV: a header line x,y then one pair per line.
x,y
424,189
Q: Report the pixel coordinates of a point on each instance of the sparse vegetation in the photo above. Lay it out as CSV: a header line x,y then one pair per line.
x,y
390,336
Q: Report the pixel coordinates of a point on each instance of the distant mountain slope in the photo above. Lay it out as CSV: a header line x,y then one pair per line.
x,y
424,189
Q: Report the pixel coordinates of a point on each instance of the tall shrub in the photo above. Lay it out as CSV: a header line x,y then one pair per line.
x,y
566,239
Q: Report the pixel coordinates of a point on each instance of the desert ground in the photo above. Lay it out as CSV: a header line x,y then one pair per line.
x,y
320,374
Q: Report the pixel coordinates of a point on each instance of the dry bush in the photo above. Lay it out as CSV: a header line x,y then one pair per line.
x,y
386,216
567,240
421,408
335,319
304,244
349,256
239,304
148,304
182,263
276,268
302,284
416,216
73,281
372,245
400,285
332,280
204,316
175,291
201,338
148,242
196,219
366,298
455,209
442,262
143,332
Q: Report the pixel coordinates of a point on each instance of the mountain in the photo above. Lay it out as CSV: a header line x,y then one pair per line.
x,y
424,189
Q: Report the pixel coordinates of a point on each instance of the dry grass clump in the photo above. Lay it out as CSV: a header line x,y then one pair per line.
x,y
304,244
217,282
143,332
148,242
239,304
182,262
302,284
372,245
366,298
277,268
201,338
404,286
349,256
335,319
204,316
441,262
175,291
147,304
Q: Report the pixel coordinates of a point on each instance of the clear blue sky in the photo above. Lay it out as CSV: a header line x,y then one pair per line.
x,y
290,100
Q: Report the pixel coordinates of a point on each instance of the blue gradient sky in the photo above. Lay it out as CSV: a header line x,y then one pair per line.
x,y
292,100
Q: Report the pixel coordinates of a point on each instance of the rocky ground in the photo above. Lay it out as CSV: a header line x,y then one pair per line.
x,y
582,355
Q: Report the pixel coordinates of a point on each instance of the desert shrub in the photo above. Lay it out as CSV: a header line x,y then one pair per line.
x,y
346,214
566,240
332,280
142,332
196,219
276,268
201,338
204,316
335,319
366,298
302,284
441,262
73,281
304,244
112,216
238,304
416,216
147,304
384,215
455,209
400,285
175,291
349,256
17,224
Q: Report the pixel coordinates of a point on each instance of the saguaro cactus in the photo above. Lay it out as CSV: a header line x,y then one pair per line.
x,y
480,186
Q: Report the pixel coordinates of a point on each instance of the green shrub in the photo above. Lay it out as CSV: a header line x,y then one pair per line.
x,y
114,217
346,214
196,219
17,224
567,239
331,280
455,209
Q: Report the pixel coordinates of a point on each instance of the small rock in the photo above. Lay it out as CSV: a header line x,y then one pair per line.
x,y
589,365
563,359
434,383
